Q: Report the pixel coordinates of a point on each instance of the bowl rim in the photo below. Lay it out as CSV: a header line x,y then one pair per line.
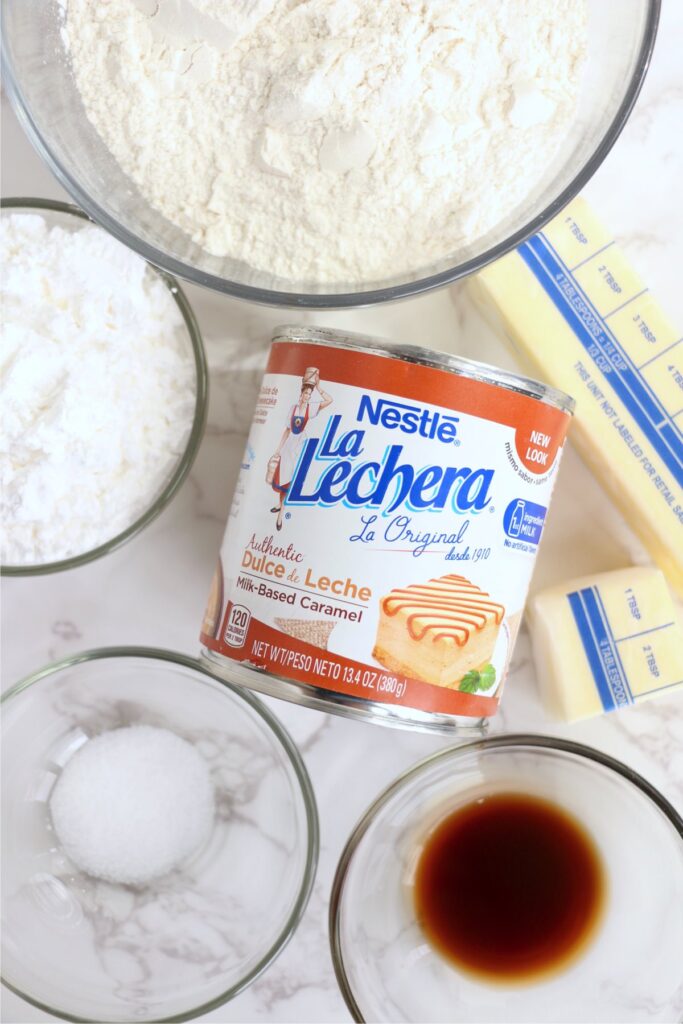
x,y
351,299
26,204
300,773
555,744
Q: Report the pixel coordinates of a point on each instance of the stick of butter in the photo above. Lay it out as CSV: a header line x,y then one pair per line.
x,y
583,321
606,641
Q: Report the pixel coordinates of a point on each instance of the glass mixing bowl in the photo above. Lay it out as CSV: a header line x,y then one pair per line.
x,y
631,970
44,94
70,218
88,950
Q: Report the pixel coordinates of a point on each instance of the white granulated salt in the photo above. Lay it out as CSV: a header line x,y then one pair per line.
x,y
97,387
132,804
331,140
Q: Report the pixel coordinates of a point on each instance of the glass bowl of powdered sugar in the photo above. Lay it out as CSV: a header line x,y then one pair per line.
x,y
324,153
103,390
160,837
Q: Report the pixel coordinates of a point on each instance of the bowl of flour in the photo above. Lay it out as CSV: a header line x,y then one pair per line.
x,y
325,152
103,389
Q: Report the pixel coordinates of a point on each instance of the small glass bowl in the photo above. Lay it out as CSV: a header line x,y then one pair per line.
x,y
43,91
71,218
631,969
87,950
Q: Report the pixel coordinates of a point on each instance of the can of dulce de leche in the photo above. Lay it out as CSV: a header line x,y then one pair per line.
x,y
383,532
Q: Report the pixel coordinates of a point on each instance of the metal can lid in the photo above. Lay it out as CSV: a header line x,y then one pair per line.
x,y
458,365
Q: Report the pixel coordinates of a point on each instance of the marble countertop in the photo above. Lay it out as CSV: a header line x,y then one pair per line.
x,y
153,590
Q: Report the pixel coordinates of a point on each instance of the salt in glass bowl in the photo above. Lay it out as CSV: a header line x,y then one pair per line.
x,y
70,218
42,89
89,950
631,969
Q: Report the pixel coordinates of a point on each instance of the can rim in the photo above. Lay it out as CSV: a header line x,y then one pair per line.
x,y
247,675
471,368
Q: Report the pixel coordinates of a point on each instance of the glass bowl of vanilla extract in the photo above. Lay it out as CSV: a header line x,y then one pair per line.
x,y
514,878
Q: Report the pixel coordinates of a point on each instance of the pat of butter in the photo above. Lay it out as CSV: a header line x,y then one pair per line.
x,y
606,641
584,322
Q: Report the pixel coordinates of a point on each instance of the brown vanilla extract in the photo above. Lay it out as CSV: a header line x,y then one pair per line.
x,y
509,887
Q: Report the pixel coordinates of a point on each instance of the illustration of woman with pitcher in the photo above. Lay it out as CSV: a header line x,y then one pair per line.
x,y
283,462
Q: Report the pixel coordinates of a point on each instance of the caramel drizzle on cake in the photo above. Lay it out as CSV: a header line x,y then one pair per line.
x,y
448,608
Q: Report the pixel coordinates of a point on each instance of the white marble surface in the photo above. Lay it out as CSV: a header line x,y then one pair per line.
x,y
153,590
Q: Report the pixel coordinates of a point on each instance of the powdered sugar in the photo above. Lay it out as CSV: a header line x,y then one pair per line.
x,y
97,389
331,140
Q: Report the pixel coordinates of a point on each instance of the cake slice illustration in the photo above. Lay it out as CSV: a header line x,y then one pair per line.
x,y
437,631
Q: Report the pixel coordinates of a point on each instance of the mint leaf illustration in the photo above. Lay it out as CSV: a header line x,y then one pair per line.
x,y
469,682
474,681
487,677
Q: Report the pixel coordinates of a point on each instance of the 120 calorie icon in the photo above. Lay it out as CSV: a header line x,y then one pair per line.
x,y
236,630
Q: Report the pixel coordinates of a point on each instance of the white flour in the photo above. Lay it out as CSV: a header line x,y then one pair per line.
x,y
331,140
97,389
